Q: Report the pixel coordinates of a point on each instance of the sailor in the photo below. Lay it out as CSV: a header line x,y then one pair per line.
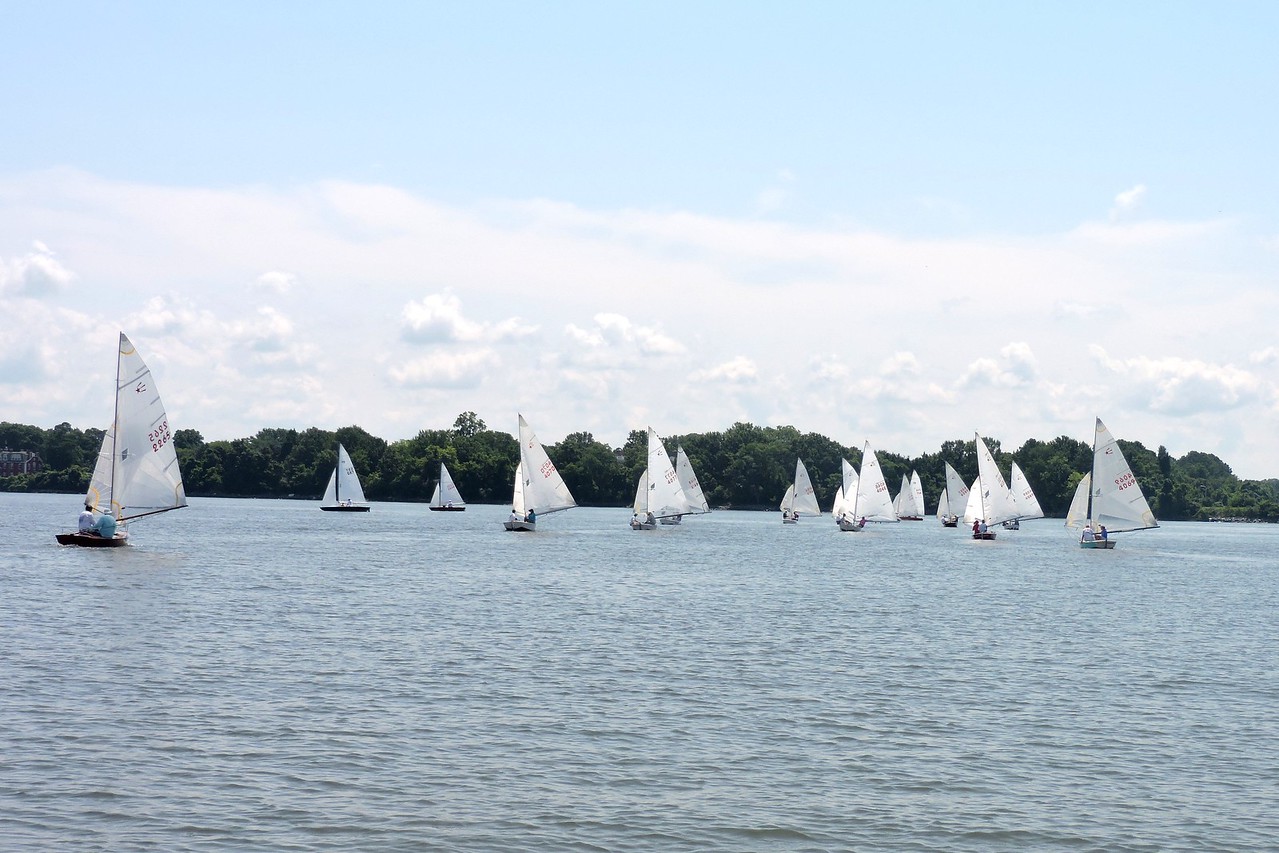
x,y
1088,534
86,519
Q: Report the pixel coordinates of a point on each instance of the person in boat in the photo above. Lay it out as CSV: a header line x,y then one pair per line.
x,y
862,523
976,527
650,518
87,520
531,518
515,516
981,526
1102,535
1088,534
105,526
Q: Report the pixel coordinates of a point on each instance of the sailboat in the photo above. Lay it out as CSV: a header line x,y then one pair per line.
x,y
1024,497
446,497
845,495
137,470
658,495
539,489
1108,498
343,492
800,499
692,488
953,498
909,503
990,502
872,500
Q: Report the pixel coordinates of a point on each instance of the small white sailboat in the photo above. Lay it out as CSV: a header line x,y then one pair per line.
x,y
692,488
446,497
909,503
1108,498
137,470
953,498
845,496
990,502
872,501
343,493
800,498
658,494
1024,497
539,489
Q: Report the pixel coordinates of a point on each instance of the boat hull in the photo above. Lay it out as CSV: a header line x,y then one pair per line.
x,y
520,526
345,508
950,524
643,525
1012,525
851,526
92,540
447,509
910,518
1098,544
988,536
790,521
671,519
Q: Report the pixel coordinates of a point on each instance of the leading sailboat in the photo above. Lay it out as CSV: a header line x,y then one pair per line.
x,y
1108,498
539,489
343,493
137,470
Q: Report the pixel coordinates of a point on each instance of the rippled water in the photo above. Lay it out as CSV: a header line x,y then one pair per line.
x,y
258,675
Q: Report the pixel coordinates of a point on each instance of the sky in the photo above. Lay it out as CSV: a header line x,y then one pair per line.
x,y
900,223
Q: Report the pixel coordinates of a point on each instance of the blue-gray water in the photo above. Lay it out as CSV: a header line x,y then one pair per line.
x,y
258,675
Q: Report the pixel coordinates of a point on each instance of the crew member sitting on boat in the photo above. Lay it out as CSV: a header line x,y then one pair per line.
x,y
976,526
1102,534
515,516
649,519
87,519
982,526
1088,534
531,518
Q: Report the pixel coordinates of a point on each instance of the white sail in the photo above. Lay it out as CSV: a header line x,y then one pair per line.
x,y
788,499
972,506
874,502
997,504
1024,495
839,506
446,493
518,503
140,475
804,497
1117,499
956,492
344,484
943,507
1077,515
544,488
688,482
641,494
910,500
917,492
666,496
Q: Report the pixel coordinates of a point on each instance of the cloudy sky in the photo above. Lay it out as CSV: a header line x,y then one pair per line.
x,y
900,222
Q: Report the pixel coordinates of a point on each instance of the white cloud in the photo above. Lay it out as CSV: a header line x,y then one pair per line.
x,y
446,369
1127,201
1179,386
1016,367
614,339
276,281
740,370
36,274
438,319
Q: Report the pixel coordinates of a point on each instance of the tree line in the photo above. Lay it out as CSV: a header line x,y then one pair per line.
x,y
744,466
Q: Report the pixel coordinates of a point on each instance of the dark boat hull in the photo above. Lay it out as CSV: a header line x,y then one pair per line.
x,y
91,540
345,508
986,537
447,509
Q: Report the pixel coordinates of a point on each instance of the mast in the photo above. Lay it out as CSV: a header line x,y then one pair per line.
x,y
861,472
1092,472
115,421
337,477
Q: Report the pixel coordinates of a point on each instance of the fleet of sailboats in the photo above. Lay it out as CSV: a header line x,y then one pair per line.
x,y
1108,498
343,493
137,471
137,474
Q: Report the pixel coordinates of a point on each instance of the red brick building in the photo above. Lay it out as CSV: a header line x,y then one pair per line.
x,y
19,462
